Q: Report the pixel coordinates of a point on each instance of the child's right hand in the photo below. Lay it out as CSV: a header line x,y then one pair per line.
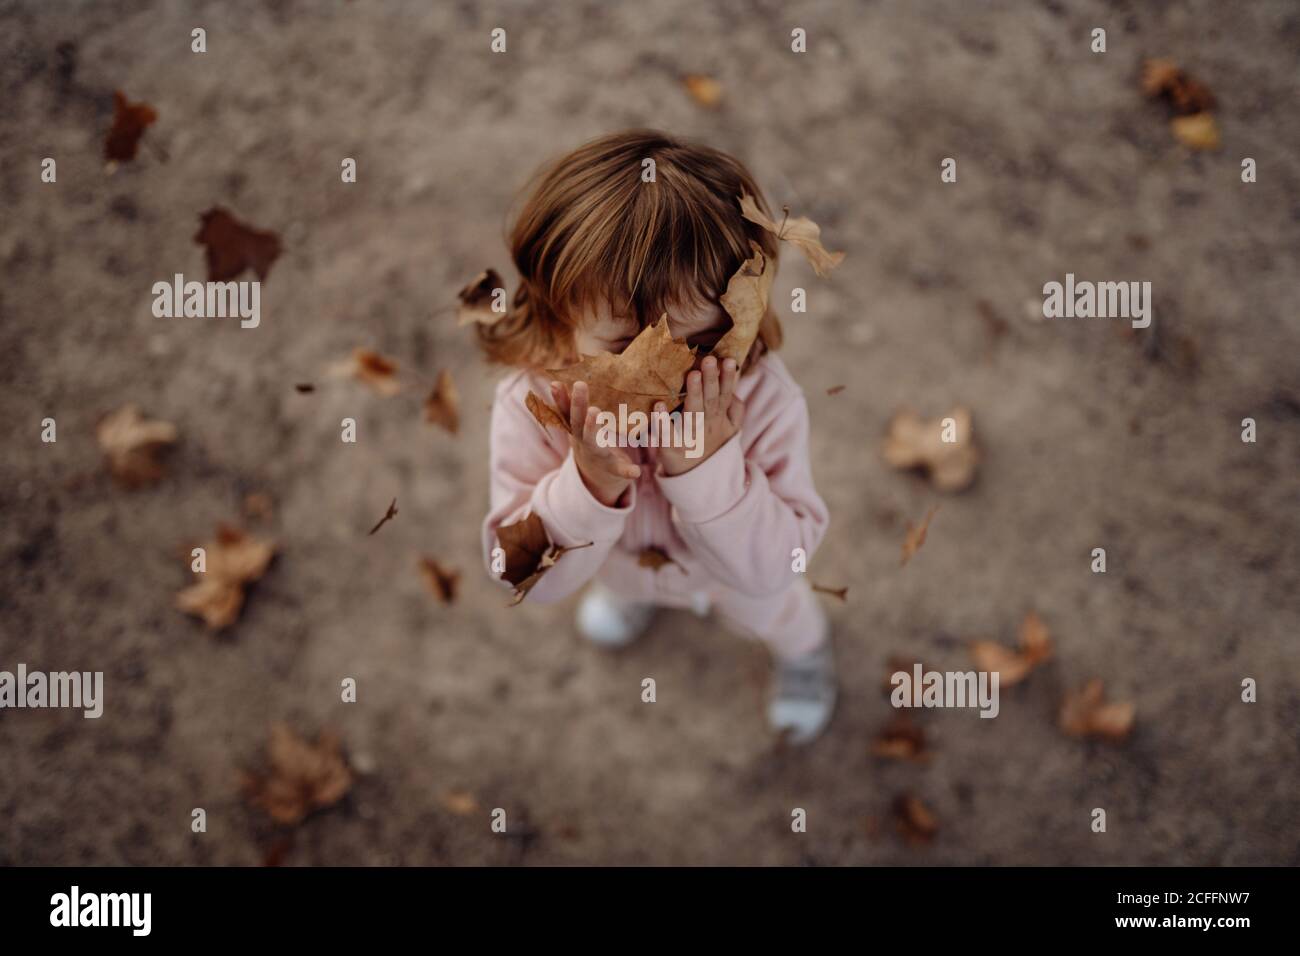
x,y
607,472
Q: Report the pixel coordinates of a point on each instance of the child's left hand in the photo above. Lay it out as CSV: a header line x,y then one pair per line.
x,y
712,393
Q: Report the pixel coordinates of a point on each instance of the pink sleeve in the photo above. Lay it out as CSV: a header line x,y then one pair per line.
x,y
744,510
529,474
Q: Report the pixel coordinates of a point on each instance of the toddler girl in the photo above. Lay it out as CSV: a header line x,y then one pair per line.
x,y
601,254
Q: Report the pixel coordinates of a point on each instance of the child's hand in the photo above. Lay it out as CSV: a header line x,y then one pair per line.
x,y
606,471
713,395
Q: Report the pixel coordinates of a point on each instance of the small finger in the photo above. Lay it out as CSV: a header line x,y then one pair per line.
x,y
589,427
578,408
694,392
729,378
710,370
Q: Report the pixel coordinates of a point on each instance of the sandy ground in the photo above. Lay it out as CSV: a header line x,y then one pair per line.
x,y
1091,438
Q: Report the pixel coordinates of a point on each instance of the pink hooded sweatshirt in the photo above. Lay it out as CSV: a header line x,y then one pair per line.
x,y
730,524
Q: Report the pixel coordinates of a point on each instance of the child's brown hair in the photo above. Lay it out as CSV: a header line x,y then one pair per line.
x,y
592,231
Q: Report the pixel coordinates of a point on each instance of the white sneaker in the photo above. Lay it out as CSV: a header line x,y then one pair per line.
x,y
608,620
803,698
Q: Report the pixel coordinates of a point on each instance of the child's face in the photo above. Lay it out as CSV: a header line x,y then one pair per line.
x,y
600,330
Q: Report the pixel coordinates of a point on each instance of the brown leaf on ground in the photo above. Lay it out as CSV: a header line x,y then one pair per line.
x,y
442,407
801,232
835,389
372,369
460,802
232,561
443,581
651,369
132,445
704,90
915,537
841,593
547,416
746,302
476,300
1085,714
901,739
1013,666
1163,78
655,558
301,777
529,554
1198,131
231,246
129,123
914,820
913,442
389,515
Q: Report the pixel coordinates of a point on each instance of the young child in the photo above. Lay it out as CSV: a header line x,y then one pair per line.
x,y
601,255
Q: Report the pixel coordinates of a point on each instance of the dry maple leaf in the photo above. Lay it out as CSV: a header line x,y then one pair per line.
x,y
901,739
746,302
1198,131
529,554
1163,78
801,231
655,558
915,537
1084,714
389,515
913,442
442,407
476,300
1013,666
651,369
841,593
234,560
301,776
546,415
443,581
373,369
232,247
703,89
132,445
129,123
915,821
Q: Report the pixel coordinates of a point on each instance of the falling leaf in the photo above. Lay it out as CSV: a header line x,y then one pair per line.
x,y
389,515
841,593
1163,78
915,821
529,554
460,802
1084,714
703,89
442,407
902,739
655,558
915,536
301,776
476,300
305,387
373,369
129,123
913,442
132,445
1013,666
651,369
546,415
1198,131
443,581
746,302
801,231
835,389
232,561
232,247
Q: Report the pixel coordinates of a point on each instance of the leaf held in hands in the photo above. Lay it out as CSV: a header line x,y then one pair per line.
x,y
801,232
442,407
529,554
651,369
301,776
746,302
443,581
913,442
232,247
234,560
1085,714
545,414
132,445
915,537
476,300
129,123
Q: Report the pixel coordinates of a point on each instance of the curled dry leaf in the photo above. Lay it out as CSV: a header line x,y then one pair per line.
x,y
389,515
651,369
1198,131
529,554
704,90
914,442
300,777
231,562
902,739
442,407
1084,713
915,821
442,580
129,123
915,537
231,246
477,299
841,593
1013,666
1163,78
746,302
377,372
133,444
655,558
801,232
546,415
